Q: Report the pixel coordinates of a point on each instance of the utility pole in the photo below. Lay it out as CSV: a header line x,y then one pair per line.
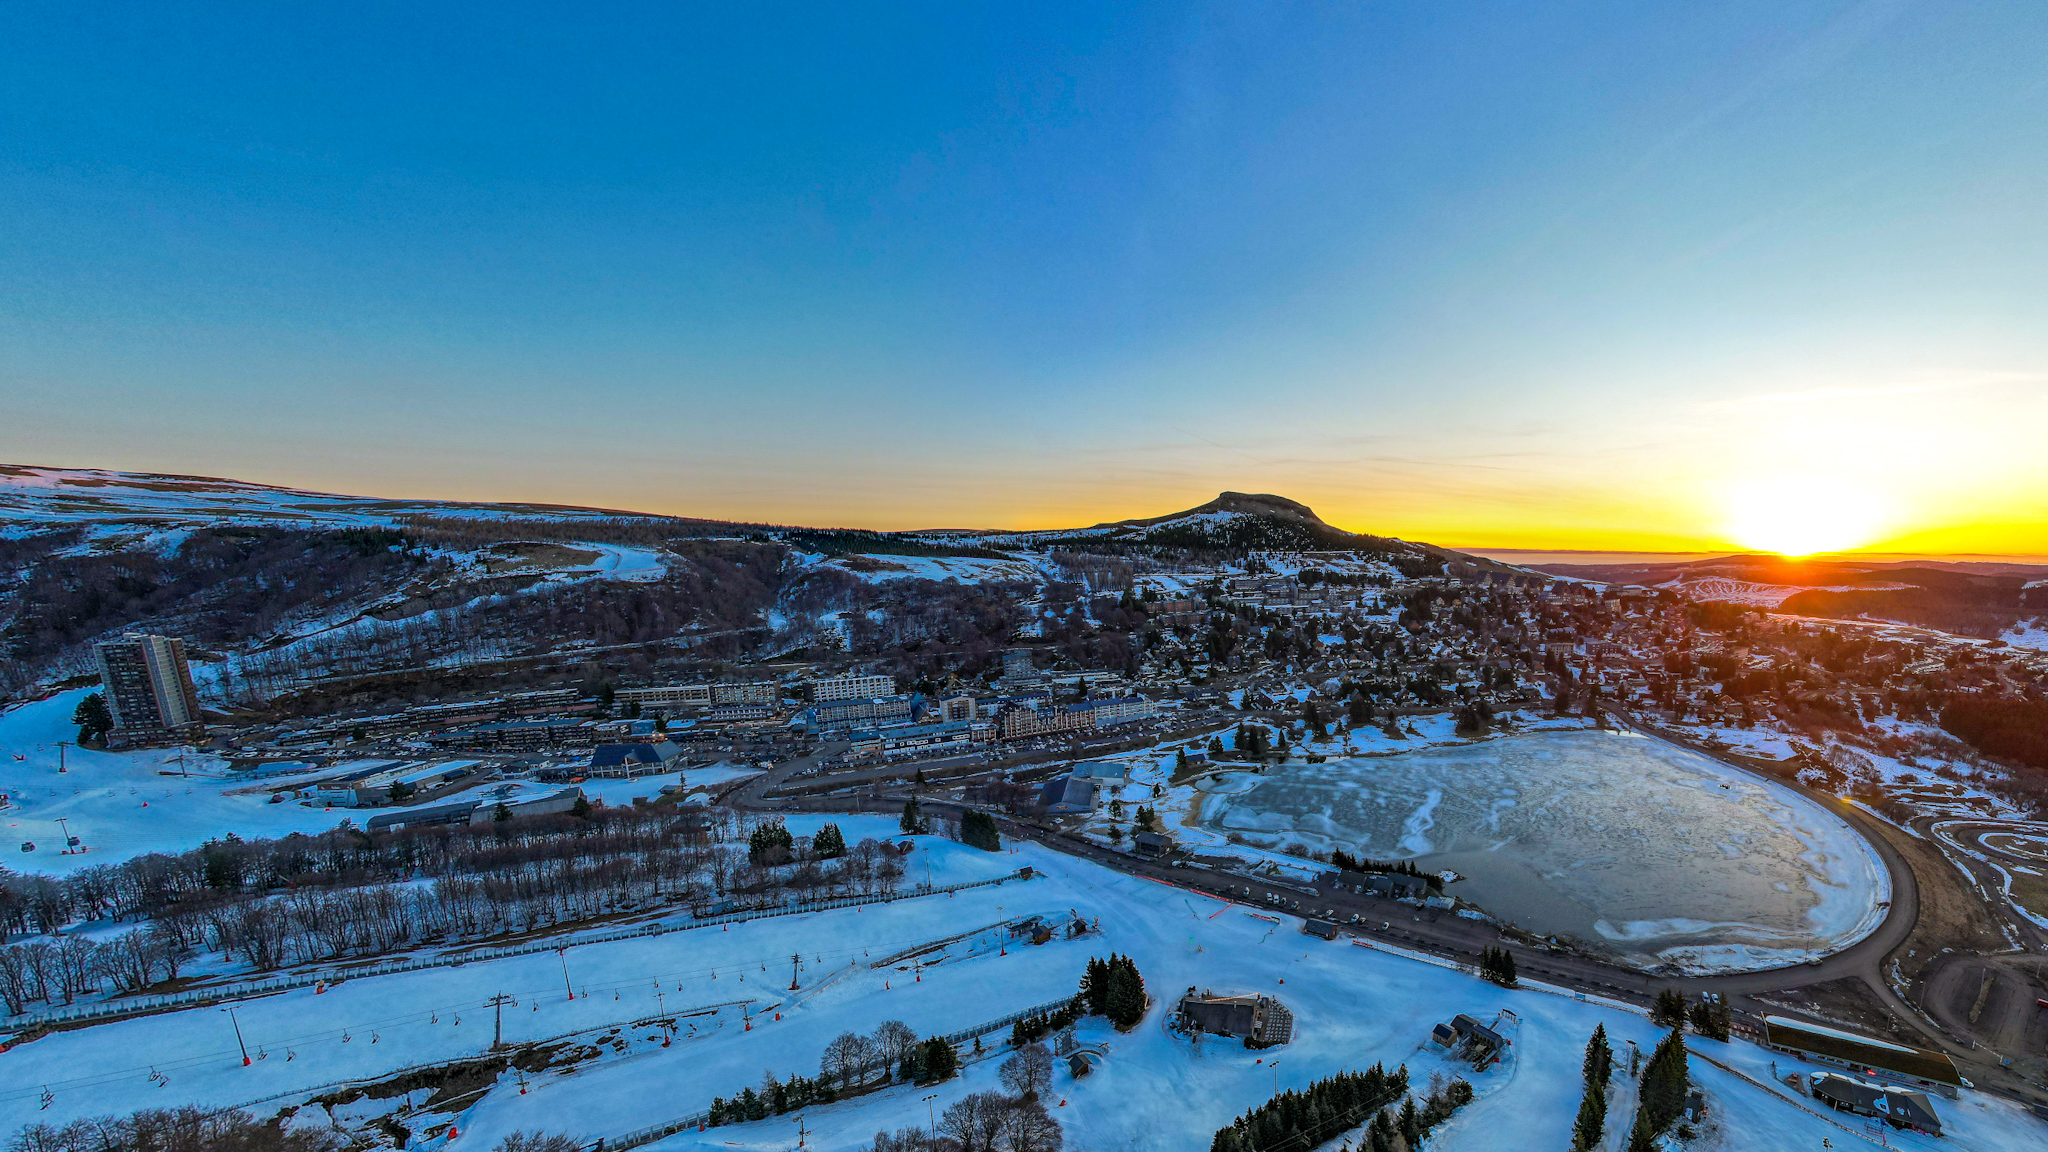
x,y
61,746
564,954
928,1113
796,960
498,1002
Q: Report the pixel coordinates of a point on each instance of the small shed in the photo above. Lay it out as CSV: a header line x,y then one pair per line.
x,y
1151,844
1320,928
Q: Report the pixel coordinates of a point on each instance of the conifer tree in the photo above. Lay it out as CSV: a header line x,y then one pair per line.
x,y
1711,1018
1095,986
1598,1067
829,843
1669,1010
1592,1121
1663,1088
1410,1122
1124,1002
1380,1135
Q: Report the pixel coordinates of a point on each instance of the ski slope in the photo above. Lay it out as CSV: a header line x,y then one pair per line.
x,y
1353,1006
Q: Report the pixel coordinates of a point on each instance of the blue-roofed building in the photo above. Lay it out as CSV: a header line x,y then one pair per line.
x,y
864,713
629,760
1067,796
1102,773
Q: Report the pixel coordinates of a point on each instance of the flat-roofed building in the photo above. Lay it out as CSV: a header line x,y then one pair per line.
x,y
1878,1059
853,685
148,689
666,696
864,711
766,693
1018,723
1118,709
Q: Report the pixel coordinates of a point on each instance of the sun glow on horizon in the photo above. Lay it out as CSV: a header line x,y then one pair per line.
x,y
1803,515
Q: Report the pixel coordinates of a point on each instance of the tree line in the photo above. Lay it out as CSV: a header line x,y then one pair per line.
x,y
299,899
851,1063
186,1129
1329,1107
1349,863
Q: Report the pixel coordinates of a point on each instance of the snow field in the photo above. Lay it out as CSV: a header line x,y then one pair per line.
x,y
119,803
1353,1006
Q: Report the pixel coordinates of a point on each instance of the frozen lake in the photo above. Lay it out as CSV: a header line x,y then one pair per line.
x,y
1658,854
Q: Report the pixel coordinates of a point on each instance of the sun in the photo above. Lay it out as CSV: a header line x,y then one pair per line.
x,y
1802,515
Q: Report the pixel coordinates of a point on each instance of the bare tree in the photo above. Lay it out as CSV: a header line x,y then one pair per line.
x,y
1028,1127
538,1141
186,1129
894,1040
912,1139
844,1057
1028,1070
975,1120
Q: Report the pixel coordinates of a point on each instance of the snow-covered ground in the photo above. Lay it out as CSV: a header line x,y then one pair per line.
x,y
966,569
1756,595
2031,634
87,495
120,804
1353,1006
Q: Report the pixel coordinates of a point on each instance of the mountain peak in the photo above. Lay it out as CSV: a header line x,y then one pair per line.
x,y
1246,503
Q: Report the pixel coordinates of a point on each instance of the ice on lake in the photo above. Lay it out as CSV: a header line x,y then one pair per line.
x,y
1647,850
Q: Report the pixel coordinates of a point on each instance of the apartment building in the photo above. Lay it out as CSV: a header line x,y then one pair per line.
x,y
852,686
148,688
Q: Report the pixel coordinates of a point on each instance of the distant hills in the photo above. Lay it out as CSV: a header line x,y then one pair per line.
x,y
1234,522
1967,597
278,586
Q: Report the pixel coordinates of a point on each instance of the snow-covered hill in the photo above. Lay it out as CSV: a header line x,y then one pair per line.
x,y
31,495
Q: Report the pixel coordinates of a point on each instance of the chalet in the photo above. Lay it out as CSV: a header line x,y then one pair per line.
x,y
1468,1035
1261,1020
1899,1107
1151,844
1876,1059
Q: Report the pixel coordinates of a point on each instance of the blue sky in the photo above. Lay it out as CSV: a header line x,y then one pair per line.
x,y
1564,274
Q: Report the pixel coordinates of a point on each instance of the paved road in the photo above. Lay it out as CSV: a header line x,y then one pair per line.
x,y
749,794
